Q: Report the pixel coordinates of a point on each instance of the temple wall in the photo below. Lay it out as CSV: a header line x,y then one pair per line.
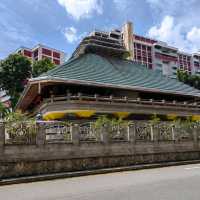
x,y
44,156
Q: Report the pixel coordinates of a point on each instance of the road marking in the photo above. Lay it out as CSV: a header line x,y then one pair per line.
x,y
190,168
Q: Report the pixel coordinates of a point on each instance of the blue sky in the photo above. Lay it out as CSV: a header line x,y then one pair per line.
x,y
62,23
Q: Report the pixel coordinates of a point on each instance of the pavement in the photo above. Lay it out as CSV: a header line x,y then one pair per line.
x,y
168,183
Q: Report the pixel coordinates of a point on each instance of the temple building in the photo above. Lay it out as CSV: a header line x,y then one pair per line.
x,y
101,79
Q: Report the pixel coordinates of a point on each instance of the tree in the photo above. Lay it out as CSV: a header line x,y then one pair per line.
x,y
14,72
183,76
42,66
192,80
3,110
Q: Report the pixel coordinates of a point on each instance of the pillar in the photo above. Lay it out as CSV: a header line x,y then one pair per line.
x,y
2,137
105,135
195,135
75,134
41,135
132,136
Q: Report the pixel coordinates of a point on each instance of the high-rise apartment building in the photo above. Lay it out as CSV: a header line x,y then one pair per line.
x,y
154,54
40,52
158,55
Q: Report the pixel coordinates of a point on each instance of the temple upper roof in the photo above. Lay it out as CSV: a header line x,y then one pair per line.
x,y
116,73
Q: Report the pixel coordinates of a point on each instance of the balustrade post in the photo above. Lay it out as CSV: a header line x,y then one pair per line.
x,y
155,132
195,135
68,96
2,137
132,136
41,135
105,135
152,132
75,134
173,134
96,96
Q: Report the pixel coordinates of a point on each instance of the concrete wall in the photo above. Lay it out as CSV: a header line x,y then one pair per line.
x,y
43,157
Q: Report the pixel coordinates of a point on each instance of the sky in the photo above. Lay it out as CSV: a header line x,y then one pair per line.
x,y
61,24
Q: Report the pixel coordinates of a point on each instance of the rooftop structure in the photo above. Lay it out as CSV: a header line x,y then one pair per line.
x,y
40,52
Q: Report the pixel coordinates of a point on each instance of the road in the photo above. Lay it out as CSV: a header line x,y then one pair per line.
x,y
170,183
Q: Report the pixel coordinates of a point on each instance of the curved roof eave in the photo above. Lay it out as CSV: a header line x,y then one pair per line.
x,y
136,88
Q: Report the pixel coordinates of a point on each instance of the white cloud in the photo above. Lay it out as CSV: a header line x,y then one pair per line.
x,y
176,34
177,23
165,31
194,35
82,8
71,34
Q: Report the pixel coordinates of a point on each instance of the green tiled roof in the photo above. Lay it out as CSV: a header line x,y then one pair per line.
x,y
113,72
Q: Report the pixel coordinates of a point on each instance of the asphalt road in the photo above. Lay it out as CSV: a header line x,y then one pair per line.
x,y
170,183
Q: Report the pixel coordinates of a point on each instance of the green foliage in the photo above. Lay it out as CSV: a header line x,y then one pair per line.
x,y
101,121
14,72
19,126
186,124
3,110
192,80
106,122
16,117
154,119
42,66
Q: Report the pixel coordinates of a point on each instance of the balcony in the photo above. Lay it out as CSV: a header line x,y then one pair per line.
x,y
86,106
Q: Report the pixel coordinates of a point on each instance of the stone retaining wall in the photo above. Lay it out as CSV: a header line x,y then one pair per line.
x,y
72,155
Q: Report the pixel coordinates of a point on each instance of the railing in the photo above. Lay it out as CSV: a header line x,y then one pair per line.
x,y
119,133
57,132
143,131
61,132
125,100
88,132
20,133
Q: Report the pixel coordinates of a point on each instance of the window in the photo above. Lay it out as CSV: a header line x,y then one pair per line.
x,y
57,62
27,53
139,46
35,53
46,52
143,47
174,67
158,65
56,55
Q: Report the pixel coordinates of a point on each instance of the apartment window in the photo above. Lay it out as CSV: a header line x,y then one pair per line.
x,y
27,53
139,46
174,67
159,65
150,66
144,59
35,53
143,47
56,55
46,52
57,62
